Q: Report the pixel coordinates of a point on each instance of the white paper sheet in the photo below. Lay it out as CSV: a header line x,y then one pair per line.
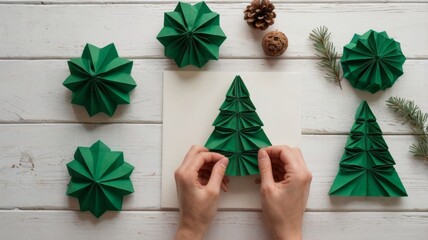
x,y
190,104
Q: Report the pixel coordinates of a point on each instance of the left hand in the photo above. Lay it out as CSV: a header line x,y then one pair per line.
x,y
199,180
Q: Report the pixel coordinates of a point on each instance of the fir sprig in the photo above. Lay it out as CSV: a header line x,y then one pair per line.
x,y
327,52
412,114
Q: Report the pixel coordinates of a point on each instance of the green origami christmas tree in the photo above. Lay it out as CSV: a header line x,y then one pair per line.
x,y
366,168
99,178
191,34
372,61
238,134
100,79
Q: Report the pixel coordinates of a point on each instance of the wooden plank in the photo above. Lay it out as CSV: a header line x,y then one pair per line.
x,y
325,108
227,225
244,2
34,157
49,101
37,31
323,154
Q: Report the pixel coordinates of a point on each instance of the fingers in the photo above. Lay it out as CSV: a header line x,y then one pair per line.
x,y
202,159
217,175
265,168
224,187
294,164
278,173
205,174
198,165
289,156
299,154
193,151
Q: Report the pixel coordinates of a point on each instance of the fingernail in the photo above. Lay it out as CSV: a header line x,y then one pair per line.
x,y
262,154
224,161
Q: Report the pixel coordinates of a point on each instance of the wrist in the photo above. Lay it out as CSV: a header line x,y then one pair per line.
x,y
190,231
289,233
297,235
185,233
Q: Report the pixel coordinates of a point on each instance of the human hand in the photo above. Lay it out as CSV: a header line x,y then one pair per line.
x,y
198,181
285,183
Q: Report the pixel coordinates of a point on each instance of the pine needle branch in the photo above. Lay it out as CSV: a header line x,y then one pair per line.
x,y
327,52
413,115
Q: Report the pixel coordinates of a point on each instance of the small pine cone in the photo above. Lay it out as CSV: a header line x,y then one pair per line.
x,y
275,43
259,14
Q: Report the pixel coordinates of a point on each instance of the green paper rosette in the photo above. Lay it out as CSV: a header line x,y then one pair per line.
x,y
100,80
372,61
99,178
191,34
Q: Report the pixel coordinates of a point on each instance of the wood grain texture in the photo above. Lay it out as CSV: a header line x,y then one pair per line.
x,y
34,157
245,2
49,225
38,31
325,108
40,129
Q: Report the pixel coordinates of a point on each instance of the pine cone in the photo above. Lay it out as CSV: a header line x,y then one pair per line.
x,y
259,14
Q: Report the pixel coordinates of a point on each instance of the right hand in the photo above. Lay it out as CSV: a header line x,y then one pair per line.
x,y
285,183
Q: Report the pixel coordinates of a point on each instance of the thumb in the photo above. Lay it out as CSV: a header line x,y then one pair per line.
x,y
265,167
217,174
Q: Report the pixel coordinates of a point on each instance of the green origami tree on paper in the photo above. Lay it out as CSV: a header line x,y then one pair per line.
x,y
191,34
238,134
372,61
366,168
99,178
100,79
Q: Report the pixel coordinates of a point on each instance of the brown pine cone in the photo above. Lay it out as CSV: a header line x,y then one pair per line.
x,y
275,43
259,14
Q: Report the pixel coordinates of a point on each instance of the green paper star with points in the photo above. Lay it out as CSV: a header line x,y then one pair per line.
x,y
100,79
99,178
191,34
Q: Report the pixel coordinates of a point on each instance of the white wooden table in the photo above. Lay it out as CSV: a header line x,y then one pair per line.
x,y
40,129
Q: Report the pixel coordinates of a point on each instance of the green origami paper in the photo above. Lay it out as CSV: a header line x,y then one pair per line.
x,y
366,167
238,134
191,34
100,79
99,178
372,61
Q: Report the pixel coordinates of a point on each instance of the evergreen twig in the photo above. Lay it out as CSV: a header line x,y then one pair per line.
x,y
412,114
327,52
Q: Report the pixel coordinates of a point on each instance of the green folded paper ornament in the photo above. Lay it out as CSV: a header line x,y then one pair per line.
x,y
100,79
191,34
99,178
238,132
372,61
367,167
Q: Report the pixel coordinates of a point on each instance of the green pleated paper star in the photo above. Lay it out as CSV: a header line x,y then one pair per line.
x,y
100,79
372,61
191,34
367,167
99,178
238,132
